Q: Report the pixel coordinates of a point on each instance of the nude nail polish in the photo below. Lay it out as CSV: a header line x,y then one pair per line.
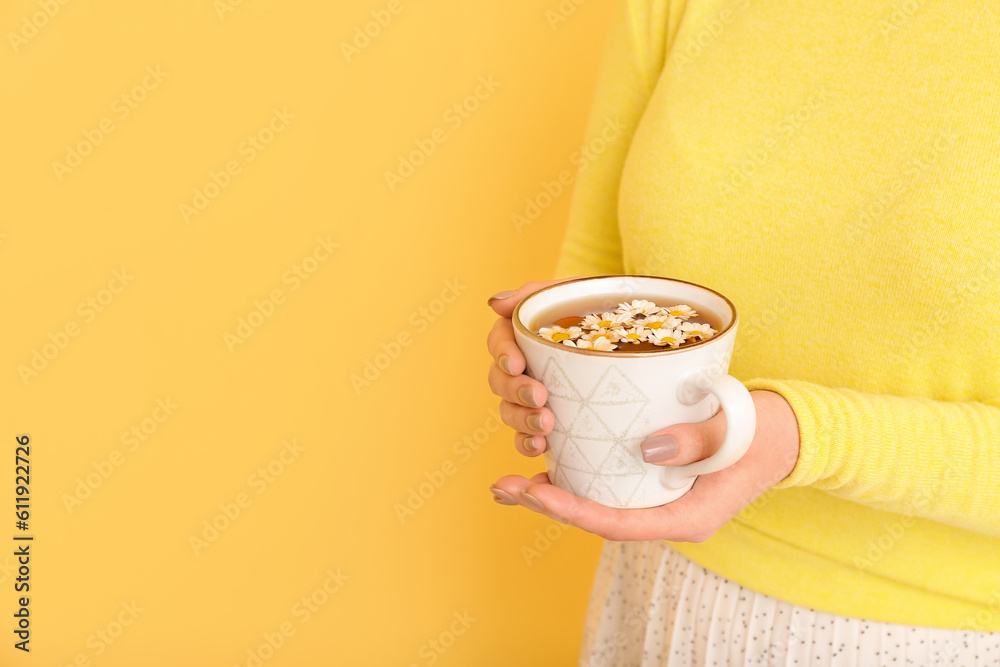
x,y
660,448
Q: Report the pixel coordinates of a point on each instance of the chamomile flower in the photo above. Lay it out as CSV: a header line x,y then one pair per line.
x,y
661,322
697,330
558,334
612,335
671,337
605,321
638,308
683,312
635,334
600,343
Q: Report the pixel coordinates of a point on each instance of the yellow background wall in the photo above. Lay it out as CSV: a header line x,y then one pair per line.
x,y
199,250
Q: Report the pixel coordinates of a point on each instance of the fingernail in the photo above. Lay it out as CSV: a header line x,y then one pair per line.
x,y
527,396
533,502
500,295
660,448
504,363
502,496
529,443
535,422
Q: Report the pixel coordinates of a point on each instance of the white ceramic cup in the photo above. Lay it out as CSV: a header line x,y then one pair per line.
x,y
607,403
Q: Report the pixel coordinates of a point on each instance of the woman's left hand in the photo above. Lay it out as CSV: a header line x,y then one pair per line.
x,y
714,499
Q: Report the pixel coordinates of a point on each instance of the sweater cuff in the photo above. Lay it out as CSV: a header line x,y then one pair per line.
x,y
811,463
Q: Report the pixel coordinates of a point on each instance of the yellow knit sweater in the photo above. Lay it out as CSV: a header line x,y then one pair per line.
x,y
834,168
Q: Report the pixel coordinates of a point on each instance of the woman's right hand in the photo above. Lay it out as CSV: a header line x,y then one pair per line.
x,y
522,397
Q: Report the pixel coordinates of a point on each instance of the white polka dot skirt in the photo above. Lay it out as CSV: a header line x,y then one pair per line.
x,y
651,606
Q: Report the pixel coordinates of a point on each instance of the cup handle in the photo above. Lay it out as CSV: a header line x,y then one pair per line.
x,y
741,422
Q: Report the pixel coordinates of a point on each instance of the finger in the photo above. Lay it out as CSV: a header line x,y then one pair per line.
x,y
505,497
608,522
503,487
677,521
502,497
685,443
503,348
503,303
529,444
505,490
521,390
536,421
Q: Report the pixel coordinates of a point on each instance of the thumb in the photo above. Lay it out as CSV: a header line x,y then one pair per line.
x,y
503,303
685,443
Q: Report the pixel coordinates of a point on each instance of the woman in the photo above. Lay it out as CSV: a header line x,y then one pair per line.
x,y
832,168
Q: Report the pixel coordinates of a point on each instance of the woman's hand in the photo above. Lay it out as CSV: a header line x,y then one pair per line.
x,y
712,501
522,396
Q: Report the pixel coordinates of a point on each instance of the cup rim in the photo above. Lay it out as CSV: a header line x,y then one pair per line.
x,y
520,327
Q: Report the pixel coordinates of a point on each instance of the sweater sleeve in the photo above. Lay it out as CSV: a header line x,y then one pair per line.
x,y
937,460
630,67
